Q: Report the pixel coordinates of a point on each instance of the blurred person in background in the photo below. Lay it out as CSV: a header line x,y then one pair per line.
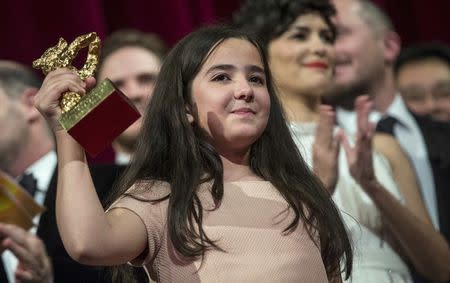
x,y
27,153
131,60
366,48
422,74
423,77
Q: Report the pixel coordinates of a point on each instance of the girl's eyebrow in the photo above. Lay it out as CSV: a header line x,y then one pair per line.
x,y
254,69
221,67
228,67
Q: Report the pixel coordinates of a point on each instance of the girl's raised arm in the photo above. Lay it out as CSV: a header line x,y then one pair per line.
x,y
90,235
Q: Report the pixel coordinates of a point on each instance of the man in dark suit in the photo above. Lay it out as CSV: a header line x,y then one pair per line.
x,y
366,50
437,138
27,153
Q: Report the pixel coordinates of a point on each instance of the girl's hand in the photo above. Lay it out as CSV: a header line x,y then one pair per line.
x,y
55,84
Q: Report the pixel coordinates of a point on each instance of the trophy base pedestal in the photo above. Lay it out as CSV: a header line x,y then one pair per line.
x,y
99,117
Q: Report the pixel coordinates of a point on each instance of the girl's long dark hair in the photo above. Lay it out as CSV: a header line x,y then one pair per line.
x,y
173,150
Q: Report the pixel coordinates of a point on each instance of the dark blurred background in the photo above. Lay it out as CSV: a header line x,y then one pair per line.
x,y
28,27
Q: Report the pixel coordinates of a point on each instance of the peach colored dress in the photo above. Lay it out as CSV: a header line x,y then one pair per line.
x,y
248,225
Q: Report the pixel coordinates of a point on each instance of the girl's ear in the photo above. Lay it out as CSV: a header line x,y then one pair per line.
x,y
189,115
190,118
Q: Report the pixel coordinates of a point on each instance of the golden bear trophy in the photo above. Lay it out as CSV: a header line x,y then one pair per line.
x,y
98,117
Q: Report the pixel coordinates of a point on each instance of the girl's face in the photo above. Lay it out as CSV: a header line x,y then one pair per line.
x,y
302,58
230,96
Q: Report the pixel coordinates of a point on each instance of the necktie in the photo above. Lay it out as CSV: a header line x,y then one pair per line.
x,y
29,182
386,125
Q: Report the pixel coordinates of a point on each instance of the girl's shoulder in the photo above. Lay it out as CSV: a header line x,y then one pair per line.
x,y
149,190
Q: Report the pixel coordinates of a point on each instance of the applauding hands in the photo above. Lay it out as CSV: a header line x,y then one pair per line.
x,y
359,156
326,149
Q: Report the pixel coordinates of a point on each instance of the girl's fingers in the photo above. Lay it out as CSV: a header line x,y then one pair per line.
x,y
50,93
90,83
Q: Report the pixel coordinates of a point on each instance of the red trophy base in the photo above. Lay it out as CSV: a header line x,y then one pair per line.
x,y
99,117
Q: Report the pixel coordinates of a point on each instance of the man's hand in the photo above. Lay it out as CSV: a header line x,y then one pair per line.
x,y
34,263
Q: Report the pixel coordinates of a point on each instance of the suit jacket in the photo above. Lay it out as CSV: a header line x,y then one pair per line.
x,y
66,270
437,140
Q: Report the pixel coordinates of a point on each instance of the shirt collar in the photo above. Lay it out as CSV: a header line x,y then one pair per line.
x,y
399,111
43,170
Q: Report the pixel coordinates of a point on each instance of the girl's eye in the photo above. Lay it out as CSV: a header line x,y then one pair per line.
x,y
221,78
257,80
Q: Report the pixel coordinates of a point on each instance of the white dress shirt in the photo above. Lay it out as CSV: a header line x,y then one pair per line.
x,y
43,170
410,138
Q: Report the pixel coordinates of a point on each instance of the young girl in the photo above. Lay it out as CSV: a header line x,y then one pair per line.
x,y
217,190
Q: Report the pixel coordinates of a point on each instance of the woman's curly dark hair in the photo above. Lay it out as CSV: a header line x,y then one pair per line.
x,y
268,19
